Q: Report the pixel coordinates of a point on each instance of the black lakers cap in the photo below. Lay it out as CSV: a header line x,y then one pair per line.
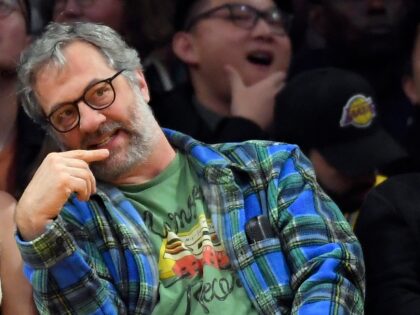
x,y
334,111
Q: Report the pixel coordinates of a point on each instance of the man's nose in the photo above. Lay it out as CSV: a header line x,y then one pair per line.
x,y
90,119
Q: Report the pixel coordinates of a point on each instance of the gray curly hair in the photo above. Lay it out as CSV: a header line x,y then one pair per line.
x,y
48,49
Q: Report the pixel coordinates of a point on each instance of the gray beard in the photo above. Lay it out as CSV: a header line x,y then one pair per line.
x,y
142,131
119,163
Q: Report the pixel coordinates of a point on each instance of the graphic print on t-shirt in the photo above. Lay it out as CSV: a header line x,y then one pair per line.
x,y
185,254
195,273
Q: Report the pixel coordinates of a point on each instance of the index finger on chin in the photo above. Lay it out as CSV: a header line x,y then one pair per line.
x,y
88,155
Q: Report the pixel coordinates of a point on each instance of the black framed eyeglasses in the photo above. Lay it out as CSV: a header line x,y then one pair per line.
x,y
7,7
99,95
245,16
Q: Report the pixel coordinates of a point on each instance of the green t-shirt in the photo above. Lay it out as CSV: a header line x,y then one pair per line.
x,y
195,272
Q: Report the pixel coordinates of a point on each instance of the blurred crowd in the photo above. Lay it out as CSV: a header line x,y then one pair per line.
x,y
339,78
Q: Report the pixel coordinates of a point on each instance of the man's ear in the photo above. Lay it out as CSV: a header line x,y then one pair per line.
x,y
183,47
144,89
410,90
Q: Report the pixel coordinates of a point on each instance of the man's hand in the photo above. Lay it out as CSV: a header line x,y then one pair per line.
x,y
255,102
59,175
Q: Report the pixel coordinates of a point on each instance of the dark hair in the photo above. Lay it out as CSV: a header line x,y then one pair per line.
x,y
148,23
183,9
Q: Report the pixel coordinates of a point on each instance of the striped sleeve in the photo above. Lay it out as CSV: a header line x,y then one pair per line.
x,y
325,256
62,280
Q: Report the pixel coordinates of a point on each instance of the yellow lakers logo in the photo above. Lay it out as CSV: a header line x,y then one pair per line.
x,y
359,112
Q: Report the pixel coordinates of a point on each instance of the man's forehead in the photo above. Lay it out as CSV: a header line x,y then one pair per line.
x,y
77,46
81,52
83,62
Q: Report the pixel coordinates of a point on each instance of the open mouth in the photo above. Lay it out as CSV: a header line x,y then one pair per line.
x,y
260,58
103,141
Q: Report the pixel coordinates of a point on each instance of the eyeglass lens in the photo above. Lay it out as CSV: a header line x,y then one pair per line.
x,y
247,17
98,96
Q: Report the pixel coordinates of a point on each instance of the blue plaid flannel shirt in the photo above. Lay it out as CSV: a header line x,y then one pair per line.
x,y
96,257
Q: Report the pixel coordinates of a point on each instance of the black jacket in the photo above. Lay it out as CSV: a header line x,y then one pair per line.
x,y
389,231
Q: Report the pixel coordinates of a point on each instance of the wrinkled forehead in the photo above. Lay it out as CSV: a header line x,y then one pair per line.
x,y
77,54
72,51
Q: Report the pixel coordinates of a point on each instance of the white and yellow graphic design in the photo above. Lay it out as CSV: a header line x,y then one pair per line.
x,y
359,112
185,254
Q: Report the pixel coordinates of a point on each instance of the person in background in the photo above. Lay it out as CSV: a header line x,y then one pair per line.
x,y
114,13
108,12
143,24
237,55
388,227
410,65
16,292
133,219
331,114
20,143
388,230
360,36
20,138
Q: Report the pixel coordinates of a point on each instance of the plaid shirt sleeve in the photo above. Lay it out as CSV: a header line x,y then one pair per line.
x,y
324,256
94,259
60,276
